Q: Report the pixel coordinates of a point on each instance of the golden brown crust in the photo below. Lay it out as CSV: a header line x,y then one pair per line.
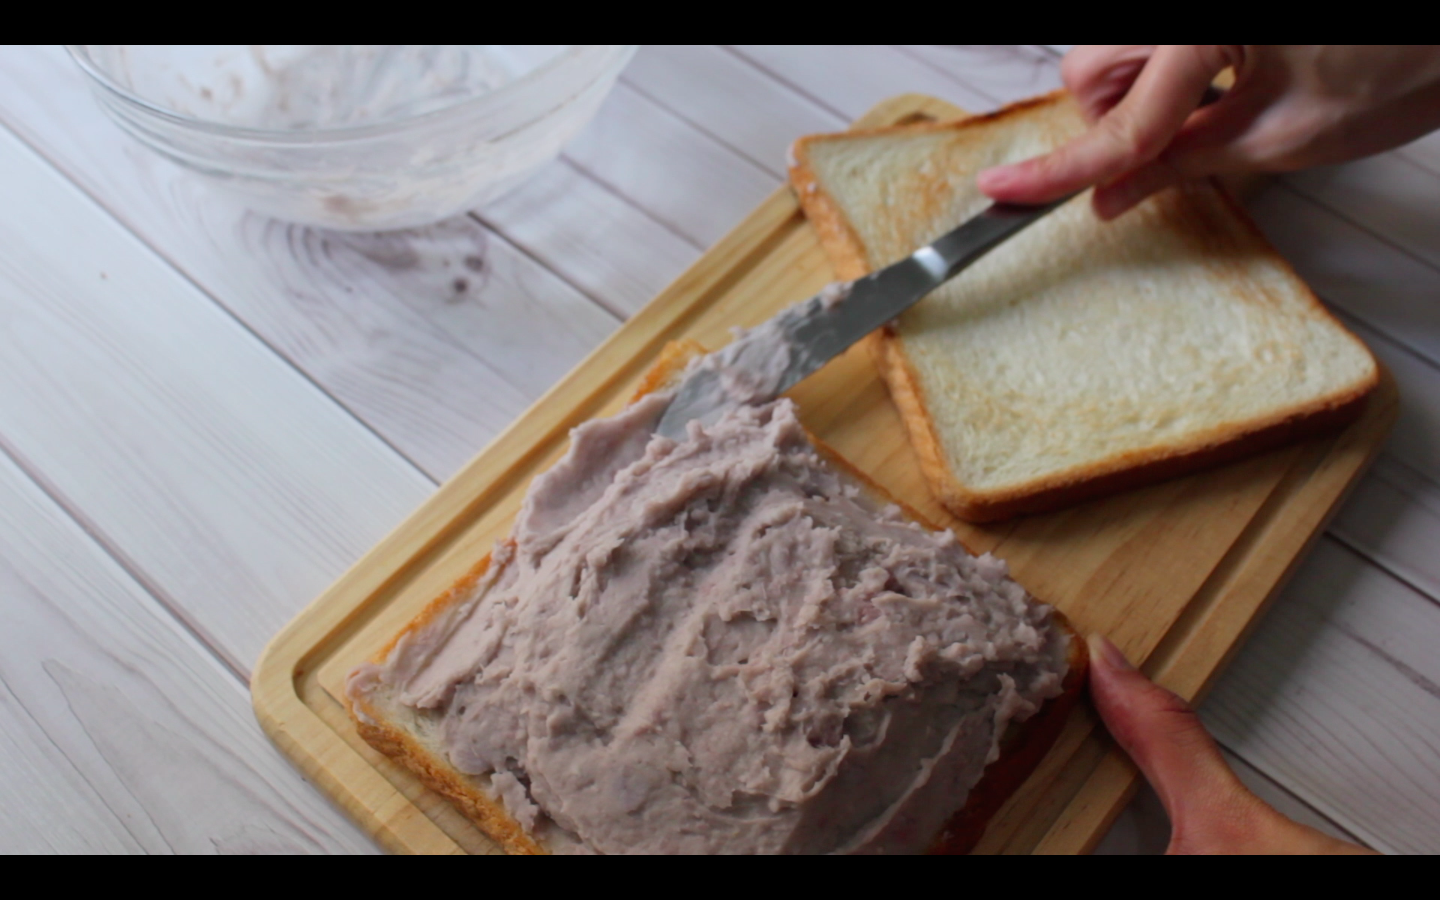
x,y
1124,471
909,398
460,588
671,361
837,235
438,775
433,769
1121,471
1022,748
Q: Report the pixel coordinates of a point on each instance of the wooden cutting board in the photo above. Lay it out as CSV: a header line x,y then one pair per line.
x,y
1176,574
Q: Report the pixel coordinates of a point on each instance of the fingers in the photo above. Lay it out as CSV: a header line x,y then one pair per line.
x,y
1100,75
1133,133
1160,731
1209,143
1110,200
1162,734
1210,810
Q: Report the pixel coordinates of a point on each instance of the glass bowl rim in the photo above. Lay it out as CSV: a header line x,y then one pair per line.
x,y
342,133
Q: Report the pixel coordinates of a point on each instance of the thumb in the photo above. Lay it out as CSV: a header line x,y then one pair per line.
x,y
1169,87
1209,809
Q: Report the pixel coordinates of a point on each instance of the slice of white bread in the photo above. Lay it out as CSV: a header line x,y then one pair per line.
x,y
410,737
1080,357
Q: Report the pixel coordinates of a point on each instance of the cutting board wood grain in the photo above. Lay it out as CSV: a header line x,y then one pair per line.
x,y
1176,574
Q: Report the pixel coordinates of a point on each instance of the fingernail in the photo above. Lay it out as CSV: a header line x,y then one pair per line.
x,y
1101,648
995,178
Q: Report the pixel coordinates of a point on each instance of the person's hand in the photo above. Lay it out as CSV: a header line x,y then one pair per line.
x,y
1210,810
1290,107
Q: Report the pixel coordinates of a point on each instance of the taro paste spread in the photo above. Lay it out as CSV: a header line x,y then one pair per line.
x,y
723,645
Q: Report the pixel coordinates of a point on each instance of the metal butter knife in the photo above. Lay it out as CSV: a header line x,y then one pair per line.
x,y
814,331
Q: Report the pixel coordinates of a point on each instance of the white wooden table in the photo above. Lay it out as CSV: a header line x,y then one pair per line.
x,y
205,416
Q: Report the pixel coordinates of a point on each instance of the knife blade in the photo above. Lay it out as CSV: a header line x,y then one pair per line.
x,y
765,361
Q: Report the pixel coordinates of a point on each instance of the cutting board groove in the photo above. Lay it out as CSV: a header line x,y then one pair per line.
x,y
1176,573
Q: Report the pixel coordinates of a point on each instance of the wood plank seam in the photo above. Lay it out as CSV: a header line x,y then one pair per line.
x,y
609,188
665,113
786,83
1382,565
145,454
1261,519
1316,200
91,643
1417,163
158,594
958,79
1410,352
1416,677
526,252
1416,354
700,127
1350,836
1115,768
298,260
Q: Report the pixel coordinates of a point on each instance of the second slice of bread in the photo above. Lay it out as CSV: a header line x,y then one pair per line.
x,y
1080,357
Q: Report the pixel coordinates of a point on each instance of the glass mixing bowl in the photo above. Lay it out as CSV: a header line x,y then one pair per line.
x,y
359,138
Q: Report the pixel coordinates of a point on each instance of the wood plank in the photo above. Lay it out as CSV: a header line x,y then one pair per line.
x,y
1336,698
694,184
1352,269
119,732
849,79
594,238
1424,151
729,99
1389,195
216,470
1417,431
1393,518
1002,72
1387,298
1394,521
435,337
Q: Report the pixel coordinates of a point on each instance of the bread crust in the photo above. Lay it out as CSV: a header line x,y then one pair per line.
x,y
434,769
1022,747
1120,471
436,772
